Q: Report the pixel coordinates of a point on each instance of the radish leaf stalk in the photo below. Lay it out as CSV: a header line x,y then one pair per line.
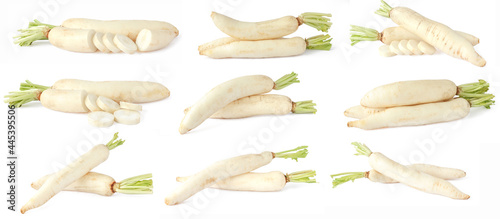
x,y
319,42
319,21
142,184
306,106
359,34
28,85
19,98
346,177
286,80
298,152
306,176
384,9
362,149
36,31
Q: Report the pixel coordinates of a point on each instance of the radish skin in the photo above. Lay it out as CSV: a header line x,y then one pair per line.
x,y
129,28
69,101
216,43
227,92
258,182
434,33
423,114
99,42
72,172
361,112
151,40
72,40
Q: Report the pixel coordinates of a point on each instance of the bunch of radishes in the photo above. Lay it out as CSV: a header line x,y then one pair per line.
x,y
88,35
418,35
264,39
107,101
424,177
243,97
410,103
76,176
235,174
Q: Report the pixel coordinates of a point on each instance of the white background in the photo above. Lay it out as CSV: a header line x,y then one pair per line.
x,y
335,80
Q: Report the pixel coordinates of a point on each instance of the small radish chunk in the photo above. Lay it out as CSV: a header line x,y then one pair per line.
x,y
402,46
90,102
130,106
413,47
108,42
426,48
99,43
101,119
69,101
74,40
125,44
385,51
394,47
151,40
127,117
107,104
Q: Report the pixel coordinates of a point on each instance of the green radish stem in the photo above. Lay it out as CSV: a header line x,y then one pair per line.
x,y
359,34
479,100
28,85
142,184
346,177
114,142
319,21
36,31
306,176
19,98
306,106
319,42
286,80
384,10
473,88
362,149
299,152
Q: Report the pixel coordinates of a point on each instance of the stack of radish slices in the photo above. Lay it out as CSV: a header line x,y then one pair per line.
x,y
411,103
424,177
264,39
107,101
418,35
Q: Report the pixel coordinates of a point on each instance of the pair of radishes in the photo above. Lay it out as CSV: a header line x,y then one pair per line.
x,y
410,103
76,176
417,35
243,97
88,35
424,177
79,96
235,174
264,39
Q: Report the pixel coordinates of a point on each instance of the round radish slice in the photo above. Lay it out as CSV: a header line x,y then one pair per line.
x,y
402,47
125,44
394,46
127,117
101,119
108,42
90,102
385,51
426,48
413,47
130,106
99,43
107,104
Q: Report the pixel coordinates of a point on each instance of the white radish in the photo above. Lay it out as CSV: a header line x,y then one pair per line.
x,y
394,47
261,182
229,91
130,106
403,47
129,28
390,34
270,29
385,51
224,169
91,103
375,176
426,48
69,101
105,185
151,40
100,119
360,112
72,40
216,43
267,104
127,117
125,44
432,32
413,47
72,172
128,91
408,176
99,42
107,39
108,105
268,48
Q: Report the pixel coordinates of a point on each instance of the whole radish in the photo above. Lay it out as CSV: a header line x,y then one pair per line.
x,y
105,185
408,176
72,172
270,29
432,32
224,169
229,91
261,182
